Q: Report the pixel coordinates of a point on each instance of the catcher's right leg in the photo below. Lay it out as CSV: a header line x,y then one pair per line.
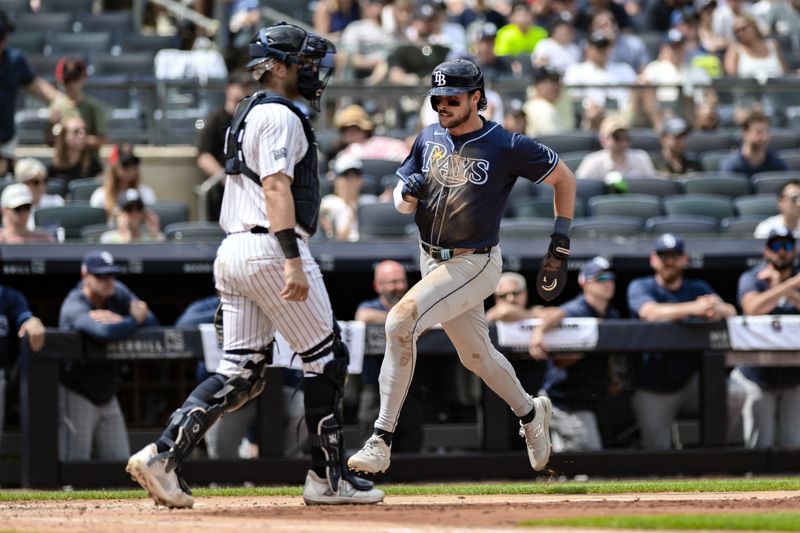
x,y
155,467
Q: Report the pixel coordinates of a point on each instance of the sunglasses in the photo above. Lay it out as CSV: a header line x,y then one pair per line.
x,y
669,256
504,295
449,102
620,136
22,208
777,246
134,208
605,276
104,277
36,182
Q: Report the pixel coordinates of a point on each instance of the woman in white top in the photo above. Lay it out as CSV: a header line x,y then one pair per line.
x,y
123,174
753,56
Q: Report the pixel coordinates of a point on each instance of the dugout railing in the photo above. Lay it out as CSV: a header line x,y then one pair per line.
x,y
39,465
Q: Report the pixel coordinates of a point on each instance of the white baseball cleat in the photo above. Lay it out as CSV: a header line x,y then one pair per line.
x,y
537,433
164,487
372,458
317,492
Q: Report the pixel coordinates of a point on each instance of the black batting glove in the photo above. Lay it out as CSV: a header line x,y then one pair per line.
x,y
553,271
415,185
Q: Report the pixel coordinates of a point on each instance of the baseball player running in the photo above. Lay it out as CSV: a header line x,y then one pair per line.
x,y
267,278
458,178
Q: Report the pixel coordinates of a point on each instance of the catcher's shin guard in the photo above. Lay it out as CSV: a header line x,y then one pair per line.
x,y
211,399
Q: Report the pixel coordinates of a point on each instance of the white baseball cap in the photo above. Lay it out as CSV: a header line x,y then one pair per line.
x,y
343,163
15,195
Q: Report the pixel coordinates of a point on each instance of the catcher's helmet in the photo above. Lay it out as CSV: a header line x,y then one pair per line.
x,y
455,77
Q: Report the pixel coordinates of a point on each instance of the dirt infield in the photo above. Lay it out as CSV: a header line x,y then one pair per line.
x,y
396,514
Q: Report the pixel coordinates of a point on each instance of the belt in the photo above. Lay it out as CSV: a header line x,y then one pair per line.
x,y
261,230
438,253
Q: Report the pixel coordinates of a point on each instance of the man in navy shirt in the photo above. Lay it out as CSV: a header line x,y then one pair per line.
x,y
16,73
754,156
457,181
667,383
772,394
15,318
104,309
579,384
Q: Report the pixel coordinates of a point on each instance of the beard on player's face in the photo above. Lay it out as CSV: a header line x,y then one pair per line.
x,y
454,116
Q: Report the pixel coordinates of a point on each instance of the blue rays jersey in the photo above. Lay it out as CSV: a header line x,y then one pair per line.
x,y
469,180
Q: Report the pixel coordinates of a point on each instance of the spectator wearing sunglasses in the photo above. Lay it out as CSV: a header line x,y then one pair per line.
x,y
772,394
134,222
123,174
33,173
16,202
511,300
789,212
586,392
617,158
668,383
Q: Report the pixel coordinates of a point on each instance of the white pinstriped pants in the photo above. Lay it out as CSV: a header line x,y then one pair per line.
x,y
249,277
450,293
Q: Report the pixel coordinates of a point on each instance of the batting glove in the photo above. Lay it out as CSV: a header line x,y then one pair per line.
x,y
415,185
553,271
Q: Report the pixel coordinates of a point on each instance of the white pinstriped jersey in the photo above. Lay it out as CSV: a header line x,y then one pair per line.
x,y
274,141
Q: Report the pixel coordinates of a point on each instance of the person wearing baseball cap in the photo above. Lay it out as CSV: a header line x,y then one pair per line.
x,y
105,310
586,386
666,383
357,139
33,173
16,202
338,212
71,73
131,215
673,159
617,158
772,404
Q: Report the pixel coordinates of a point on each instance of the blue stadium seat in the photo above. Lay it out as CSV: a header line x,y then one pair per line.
x,y
67,6
702,142
115,21
31,41
80,190
170,211
208,232
771,182
573,159
763,205
725,186
382,221
133,64
792,158
641,206
682,224
712,205
136,42
744,226
606,226
44,66
14,7
70,217
538,207
655,186
525,228
711,159
576,141
52,22
644,139
95,42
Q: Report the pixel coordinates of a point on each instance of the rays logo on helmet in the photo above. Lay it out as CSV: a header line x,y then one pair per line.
x,y
439,78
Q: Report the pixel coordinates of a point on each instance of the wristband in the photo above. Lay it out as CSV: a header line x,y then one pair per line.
x,y
287,238
562,225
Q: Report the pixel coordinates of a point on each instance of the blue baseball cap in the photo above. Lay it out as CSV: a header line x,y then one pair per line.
x,y
593,268
100,262
669,243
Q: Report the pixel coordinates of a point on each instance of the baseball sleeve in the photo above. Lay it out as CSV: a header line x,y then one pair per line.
x,y
531,159
281,138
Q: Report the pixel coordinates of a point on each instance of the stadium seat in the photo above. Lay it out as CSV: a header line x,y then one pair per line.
x,y
170,212
782,139
792,158
711,159
70,217
136,42
725,186
718,174
712,205
606,226
56,186
383,220
744,226
15,6
641,206
195,232
81,190
52,22
379,167
655,186
576,141
682,224
537,207
644,139
132,64
584,189
573,159
80,43
525,228
763,205
771,182
118,22
701,142
32,42
44,66
92,232
67,6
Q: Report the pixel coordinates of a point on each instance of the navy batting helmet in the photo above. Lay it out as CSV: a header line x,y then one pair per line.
x,y
455,77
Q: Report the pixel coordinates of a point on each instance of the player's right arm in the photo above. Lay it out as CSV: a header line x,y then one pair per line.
x,y
280,211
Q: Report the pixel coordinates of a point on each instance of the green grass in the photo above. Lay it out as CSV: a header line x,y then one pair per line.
x,y
461,489
732,522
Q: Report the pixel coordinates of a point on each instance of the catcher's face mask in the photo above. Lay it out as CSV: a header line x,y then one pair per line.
x,y
316,62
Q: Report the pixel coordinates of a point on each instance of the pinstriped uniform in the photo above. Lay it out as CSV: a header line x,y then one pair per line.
x,y
249,267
